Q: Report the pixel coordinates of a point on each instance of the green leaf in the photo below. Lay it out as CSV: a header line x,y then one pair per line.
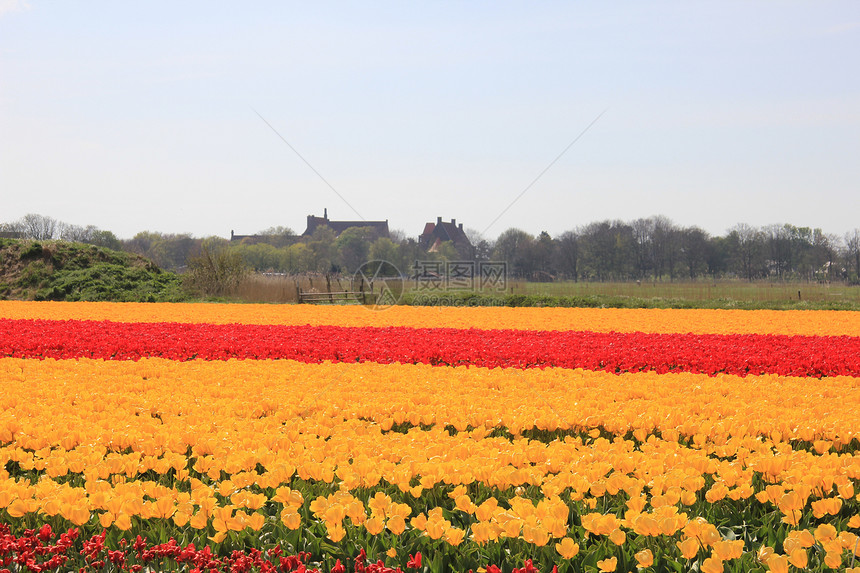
x,y
591,559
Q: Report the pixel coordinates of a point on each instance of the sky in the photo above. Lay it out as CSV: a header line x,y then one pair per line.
x,y
206,117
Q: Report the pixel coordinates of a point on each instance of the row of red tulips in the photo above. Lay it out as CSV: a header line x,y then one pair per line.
x,y
741,354
41,550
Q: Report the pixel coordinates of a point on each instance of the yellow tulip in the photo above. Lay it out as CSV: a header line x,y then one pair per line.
x,y
291,518
567,548
123,521
689,547
335,531
18,508
799,558
618,537
712,565
256,521
454,535
396,524
644,558
374,525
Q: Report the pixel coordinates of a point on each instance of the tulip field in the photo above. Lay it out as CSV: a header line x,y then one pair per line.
x,y
214,437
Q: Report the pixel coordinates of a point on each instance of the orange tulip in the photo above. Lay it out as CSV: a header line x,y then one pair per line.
x,y
644,558
567,548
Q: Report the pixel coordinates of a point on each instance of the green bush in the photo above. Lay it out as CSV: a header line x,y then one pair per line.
x,y
57,270
111,282
32,250
34,274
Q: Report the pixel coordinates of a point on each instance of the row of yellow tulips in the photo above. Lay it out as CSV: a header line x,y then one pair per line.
x,y
213,445
701,321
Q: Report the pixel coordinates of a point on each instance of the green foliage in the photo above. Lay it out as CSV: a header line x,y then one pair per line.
x,y
168,251
34,274
384,249
59,270
353,246
33,250
111,282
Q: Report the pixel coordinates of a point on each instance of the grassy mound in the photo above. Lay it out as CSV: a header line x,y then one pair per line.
x,y
56,270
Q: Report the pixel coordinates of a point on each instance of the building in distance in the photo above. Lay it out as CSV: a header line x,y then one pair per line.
x,y
440,232
380,228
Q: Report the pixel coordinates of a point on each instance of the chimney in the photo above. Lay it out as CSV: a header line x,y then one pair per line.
x,y
325,213
453,222
461,226
438,221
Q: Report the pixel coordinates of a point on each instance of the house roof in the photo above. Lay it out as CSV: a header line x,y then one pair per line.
x,y
380,227
442,231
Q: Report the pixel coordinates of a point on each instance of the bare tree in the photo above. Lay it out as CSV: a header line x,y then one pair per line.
x,y
643,232
694,250
567,254
852,251
665,247
746,243
216,270
76,233
513,246
38,227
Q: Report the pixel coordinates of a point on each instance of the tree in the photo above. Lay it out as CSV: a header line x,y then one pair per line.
x,y
384,249
90,234
279,236
822,255
76,233
607,249
410,251
321,244
105,239
852,253
173,251
261,256
38,227
512,247
777,240
353,247
746,246
168,251
694,250
541,254
717,256
665,247
142,242
567,254
300,259
276,231
446,251
643,232
215,270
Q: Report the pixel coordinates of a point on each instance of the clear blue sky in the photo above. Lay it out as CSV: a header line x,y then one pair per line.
x,y
143,116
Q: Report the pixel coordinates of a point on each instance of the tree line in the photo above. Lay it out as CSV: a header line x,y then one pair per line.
x,y
653,248
657,249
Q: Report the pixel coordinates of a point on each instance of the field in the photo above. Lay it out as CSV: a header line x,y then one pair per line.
x,y
702,291
261,288
200,437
